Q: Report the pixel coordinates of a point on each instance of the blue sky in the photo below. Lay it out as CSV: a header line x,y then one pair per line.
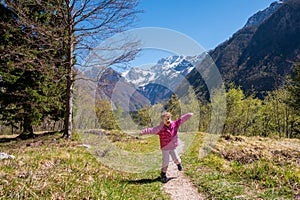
x,y
209,22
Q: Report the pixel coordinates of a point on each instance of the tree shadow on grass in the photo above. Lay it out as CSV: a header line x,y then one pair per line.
x,y
27,137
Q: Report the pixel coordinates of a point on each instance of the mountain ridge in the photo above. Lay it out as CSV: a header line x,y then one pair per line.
x,y
267,55
262,15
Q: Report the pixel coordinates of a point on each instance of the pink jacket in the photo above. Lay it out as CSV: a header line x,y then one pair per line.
x,y
168,135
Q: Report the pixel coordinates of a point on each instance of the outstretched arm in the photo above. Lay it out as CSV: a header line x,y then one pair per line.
x,y
184,118
153,130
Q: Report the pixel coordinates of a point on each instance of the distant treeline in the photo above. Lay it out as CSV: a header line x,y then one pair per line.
x,y
250,116
275,115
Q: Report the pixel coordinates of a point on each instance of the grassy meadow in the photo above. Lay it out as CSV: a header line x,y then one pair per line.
x,y
48,167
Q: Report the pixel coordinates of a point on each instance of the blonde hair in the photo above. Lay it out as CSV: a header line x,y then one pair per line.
x,y
165,114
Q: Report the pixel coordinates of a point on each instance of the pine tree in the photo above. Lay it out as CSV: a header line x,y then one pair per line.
x,y
30,80
173,106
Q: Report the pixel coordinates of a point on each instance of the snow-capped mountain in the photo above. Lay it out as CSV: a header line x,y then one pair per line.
x,y
262,15
139,77
168,68
139,87
162,79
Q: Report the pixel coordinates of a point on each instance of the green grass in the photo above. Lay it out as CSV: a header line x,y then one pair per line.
x,y
230,172
51,168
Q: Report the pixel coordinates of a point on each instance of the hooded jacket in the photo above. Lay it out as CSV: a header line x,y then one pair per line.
x,y
168,134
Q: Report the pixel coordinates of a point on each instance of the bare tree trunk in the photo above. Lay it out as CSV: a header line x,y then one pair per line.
x,y
69,106
70,80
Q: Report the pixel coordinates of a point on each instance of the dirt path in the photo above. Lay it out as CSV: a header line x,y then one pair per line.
x,y
180,187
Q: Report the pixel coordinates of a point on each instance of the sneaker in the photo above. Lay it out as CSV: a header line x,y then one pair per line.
x,y
179,167
163,177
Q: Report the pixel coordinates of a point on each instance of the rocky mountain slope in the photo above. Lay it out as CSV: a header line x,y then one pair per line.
x,y
112,86
260,56
260,16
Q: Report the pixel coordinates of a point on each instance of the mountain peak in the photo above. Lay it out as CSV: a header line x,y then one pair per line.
x,y
164,67
157,82
262,15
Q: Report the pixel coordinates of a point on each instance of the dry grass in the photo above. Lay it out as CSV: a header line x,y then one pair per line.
x,y
247,150
247,168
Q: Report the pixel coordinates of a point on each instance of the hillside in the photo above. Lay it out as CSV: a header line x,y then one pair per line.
x,y
49,167
261,56
111,85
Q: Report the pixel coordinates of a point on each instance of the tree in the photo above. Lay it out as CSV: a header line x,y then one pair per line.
x,y
85,109
7,18
276,113
143,116
234,97
190,103
250,116
119,115
85,24
295,87
29,80
294,90
105,115
173,106
155,114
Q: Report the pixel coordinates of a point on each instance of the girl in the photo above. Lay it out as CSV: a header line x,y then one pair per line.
x,y
167,131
